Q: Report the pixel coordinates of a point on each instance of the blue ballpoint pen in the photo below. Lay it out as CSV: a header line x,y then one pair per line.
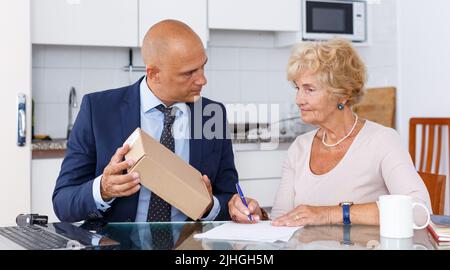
x,y
238,188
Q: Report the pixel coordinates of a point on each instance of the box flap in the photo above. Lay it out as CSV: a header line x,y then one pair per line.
x,y
136,147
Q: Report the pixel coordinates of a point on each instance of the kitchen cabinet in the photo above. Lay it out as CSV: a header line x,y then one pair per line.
x,y
265,15
193,13
85,22
260,173
44,173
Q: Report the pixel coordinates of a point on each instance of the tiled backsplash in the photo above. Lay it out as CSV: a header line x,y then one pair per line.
x,y
235,75
243,67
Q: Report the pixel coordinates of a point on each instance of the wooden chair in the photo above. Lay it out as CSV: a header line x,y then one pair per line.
x,y
430,124
378,105
435,184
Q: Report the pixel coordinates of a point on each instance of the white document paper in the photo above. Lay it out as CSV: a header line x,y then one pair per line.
x,y
262,232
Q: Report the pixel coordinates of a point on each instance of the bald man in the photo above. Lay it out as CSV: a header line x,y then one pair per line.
x,y
92,183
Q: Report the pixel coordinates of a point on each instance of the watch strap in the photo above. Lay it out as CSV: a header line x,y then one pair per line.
x,y
346,214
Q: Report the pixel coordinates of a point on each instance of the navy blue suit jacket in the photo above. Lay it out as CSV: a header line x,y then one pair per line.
x,y
104,122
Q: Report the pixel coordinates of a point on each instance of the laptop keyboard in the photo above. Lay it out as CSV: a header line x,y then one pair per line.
x,y
33,237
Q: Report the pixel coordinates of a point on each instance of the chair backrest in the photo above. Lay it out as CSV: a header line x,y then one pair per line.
x,y
435,184
430,125
378,105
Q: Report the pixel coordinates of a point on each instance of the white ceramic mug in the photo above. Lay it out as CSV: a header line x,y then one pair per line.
x,y
396,216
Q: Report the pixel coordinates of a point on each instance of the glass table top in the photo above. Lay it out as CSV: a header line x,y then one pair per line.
x,y
180,236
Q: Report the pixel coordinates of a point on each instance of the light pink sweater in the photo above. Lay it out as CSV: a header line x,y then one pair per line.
x,y
375,164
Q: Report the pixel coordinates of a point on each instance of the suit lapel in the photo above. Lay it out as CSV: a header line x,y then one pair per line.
x,y
130,110
195,144
131,119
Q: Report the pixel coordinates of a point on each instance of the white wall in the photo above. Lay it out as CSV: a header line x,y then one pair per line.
x,y
15,79
424,64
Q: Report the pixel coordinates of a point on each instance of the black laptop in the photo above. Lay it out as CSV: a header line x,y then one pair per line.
x,y
52,236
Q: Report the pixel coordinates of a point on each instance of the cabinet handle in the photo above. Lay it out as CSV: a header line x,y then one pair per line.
x,y
21,120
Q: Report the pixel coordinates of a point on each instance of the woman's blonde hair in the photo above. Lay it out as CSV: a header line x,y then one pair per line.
x,y
335,63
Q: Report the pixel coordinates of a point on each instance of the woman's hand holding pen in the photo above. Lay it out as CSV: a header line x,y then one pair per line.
x,y
239,212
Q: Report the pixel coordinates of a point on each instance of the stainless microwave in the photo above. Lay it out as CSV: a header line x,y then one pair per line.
x,y
325,19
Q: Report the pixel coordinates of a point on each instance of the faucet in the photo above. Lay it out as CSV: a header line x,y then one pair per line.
x,y
72,105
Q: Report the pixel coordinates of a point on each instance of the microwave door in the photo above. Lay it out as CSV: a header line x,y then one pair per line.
x,y
324,20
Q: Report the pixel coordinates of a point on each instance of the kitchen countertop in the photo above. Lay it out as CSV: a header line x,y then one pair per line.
x,y
280,140
55,144
44,149
56,148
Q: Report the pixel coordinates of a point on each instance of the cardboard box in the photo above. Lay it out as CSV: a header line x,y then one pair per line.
x,y
167,175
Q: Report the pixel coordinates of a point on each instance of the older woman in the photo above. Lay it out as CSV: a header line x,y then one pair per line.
x,y
335,174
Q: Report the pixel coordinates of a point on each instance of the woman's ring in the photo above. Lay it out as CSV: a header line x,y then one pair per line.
x,y
296,217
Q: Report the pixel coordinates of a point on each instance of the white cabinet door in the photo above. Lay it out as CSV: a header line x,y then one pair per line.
x,y
44,173
15,78
268,15
262,190
191,12
260,173
85,22
259,164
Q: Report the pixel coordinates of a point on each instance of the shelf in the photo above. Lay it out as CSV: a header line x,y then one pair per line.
x,y
134,68
288,39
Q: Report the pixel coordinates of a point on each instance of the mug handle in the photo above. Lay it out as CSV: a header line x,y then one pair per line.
x,y
428,216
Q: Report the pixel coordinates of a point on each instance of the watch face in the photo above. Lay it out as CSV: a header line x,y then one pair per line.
x,y
346,203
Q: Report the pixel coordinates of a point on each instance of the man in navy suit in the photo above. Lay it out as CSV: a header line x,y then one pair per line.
x,y
93,183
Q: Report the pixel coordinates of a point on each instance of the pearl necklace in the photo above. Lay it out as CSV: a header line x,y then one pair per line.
x,y
346,136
